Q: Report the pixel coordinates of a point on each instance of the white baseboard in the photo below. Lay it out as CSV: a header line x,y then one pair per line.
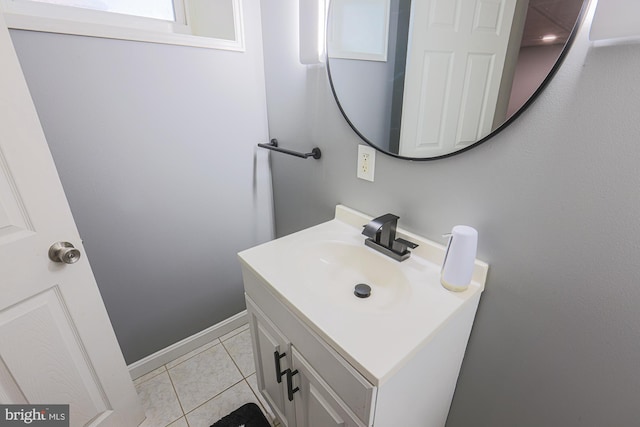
x,y
167,354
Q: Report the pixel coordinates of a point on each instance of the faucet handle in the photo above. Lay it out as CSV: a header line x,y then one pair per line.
x,y
407,243
402,246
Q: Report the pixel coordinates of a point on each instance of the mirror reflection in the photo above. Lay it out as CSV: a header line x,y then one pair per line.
x,y
429,78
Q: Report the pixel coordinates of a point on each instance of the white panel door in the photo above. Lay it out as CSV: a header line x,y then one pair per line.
x,y
56,342
455,60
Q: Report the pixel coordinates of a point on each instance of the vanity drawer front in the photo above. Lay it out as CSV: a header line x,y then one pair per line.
x,y
344,379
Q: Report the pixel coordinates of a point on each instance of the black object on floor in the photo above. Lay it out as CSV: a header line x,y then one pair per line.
x,y
248,415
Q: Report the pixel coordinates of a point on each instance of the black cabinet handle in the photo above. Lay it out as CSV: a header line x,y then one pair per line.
x,y
290,389
279,372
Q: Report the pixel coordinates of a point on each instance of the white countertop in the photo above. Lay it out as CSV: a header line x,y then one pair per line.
x,y
376,335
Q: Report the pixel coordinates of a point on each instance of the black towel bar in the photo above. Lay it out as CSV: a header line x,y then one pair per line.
x,y
273,145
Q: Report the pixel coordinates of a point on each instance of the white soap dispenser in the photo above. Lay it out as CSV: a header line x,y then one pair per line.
x,y
459,259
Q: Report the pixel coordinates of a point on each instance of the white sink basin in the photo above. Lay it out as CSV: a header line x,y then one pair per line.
x,y
330,270
314,272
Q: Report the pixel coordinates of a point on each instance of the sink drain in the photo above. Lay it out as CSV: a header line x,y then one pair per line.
x,y
362,291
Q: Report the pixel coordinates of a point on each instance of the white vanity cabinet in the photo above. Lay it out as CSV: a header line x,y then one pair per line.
x,y
326,358
297,389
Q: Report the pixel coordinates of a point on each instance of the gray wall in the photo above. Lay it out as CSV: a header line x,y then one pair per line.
x,y
155,145
366,87
555,199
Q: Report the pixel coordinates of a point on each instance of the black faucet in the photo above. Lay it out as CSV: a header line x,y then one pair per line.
x,y
381,233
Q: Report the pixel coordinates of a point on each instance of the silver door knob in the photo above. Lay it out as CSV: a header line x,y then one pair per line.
x,y
64,252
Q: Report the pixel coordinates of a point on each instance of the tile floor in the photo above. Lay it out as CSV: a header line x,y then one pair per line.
x,y
203,386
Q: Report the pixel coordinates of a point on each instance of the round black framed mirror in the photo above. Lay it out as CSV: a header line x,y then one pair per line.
x,y
427,79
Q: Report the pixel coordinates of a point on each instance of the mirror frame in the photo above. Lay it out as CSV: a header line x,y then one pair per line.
x,y
576,27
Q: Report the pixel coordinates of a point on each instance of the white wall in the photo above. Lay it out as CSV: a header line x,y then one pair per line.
x,y
156,148
555,199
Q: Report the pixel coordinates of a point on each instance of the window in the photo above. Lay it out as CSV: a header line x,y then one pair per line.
x,y
203,23
157,9
359,29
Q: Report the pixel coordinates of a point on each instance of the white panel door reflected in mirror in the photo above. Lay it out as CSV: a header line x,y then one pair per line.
x,y
456,71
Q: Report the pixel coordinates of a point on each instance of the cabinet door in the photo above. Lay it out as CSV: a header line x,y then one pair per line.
x,y
316,405
270,352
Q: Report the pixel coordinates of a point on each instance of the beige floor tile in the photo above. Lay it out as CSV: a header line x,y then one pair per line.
x,y
221,405
204,376
239,347
149,375
234,332
182,422
159,401
192,353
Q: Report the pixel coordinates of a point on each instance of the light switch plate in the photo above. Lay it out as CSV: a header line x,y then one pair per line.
x,y
366,162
